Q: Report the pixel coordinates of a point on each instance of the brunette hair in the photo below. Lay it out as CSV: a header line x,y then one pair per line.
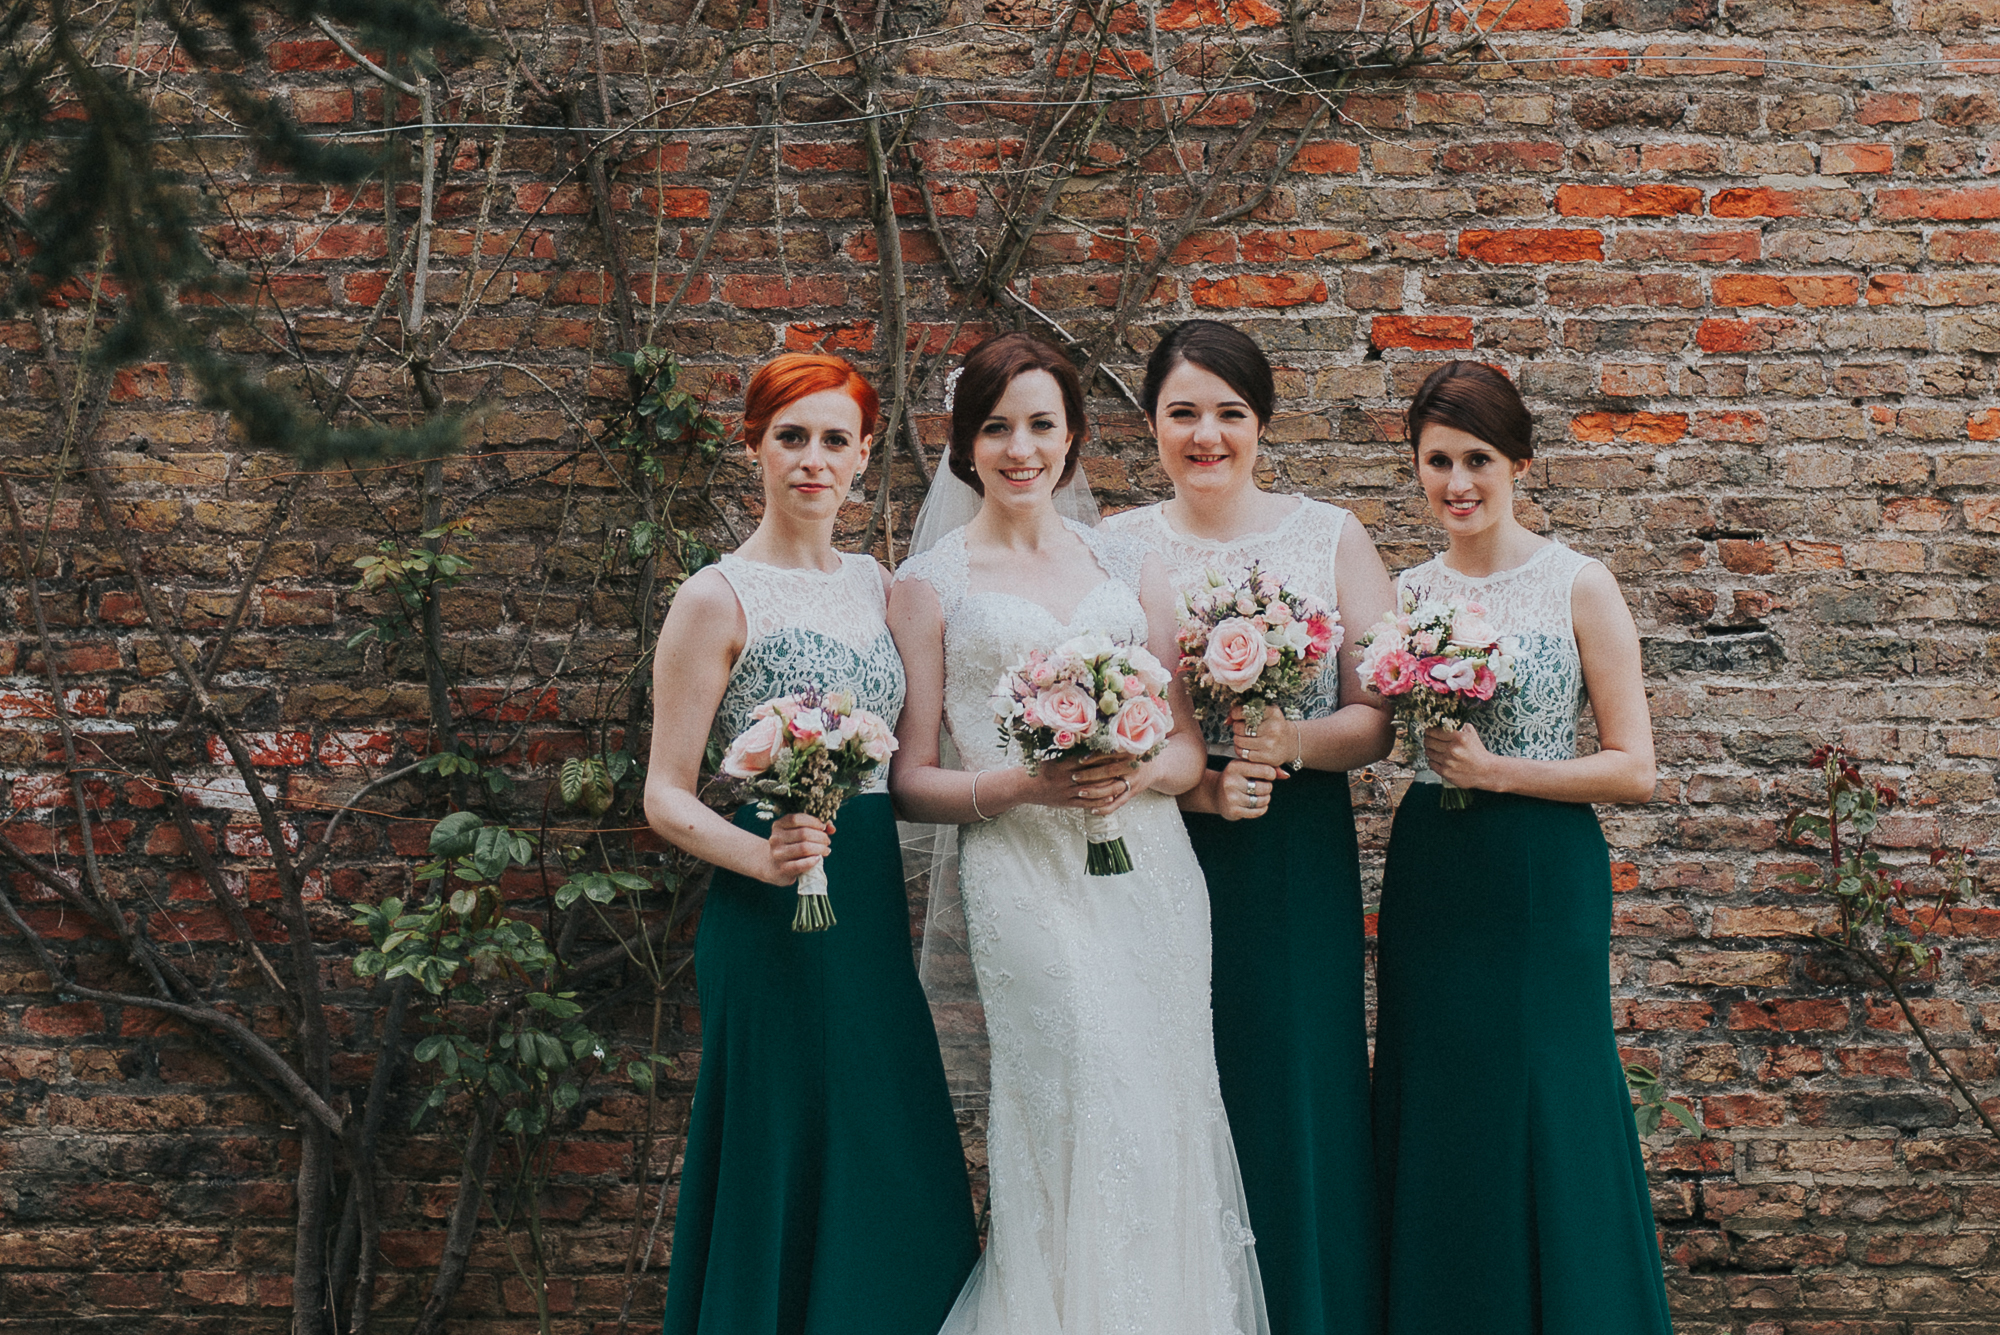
x,y
987,371
1222,350
789,377
1479,400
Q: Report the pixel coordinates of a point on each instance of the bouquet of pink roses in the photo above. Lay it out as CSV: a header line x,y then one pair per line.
x,y
1088,696
808,753
1438,659
1255,643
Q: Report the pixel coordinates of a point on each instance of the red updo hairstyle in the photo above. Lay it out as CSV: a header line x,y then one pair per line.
x,y
789,377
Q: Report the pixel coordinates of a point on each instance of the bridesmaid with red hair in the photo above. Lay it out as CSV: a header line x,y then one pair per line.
x,y
824,1188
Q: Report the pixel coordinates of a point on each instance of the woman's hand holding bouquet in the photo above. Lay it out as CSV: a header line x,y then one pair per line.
x,y
800,758
1437,660
1089,696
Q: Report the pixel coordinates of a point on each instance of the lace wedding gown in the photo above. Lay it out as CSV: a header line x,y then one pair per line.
x,y
1117,1205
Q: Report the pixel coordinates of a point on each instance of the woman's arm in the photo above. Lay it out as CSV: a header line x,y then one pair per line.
x,y
1181,764
1622,768
1362,730
699,643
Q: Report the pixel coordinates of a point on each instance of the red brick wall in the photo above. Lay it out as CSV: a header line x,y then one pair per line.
x,y
1754,300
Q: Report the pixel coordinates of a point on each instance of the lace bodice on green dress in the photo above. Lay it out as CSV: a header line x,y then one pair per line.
x,y
1530,603
808,628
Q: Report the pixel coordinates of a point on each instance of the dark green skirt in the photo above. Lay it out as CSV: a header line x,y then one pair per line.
x,y
824,1189
1514,1201
1291,1047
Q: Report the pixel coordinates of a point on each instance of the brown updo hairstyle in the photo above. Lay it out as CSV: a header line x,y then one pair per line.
x,y
987,371
1225,352
1480,401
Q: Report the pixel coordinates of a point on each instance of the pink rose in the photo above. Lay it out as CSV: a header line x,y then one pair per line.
x,y
1065,740
1067,708
1278,614
1246,604
1324,637
1472,631
1235,656
1483,683
1396,673
752,751
1133,686
1424,642
1140,726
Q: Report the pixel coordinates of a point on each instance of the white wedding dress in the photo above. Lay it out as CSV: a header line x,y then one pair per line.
x,y
1117,1208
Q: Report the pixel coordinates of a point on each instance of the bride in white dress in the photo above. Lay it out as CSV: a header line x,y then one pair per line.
x,y
1117,1208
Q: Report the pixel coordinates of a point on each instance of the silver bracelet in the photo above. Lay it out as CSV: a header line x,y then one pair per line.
x,y
975,797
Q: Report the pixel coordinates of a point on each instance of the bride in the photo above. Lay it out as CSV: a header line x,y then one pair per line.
x,y
1116,1202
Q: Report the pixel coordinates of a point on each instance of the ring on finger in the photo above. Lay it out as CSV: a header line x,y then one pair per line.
x,y
1128,785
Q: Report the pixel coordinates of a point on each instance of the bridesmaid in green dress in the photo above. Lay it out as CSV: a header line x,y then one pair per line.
x,y
1514,1199
1276,844
824,1189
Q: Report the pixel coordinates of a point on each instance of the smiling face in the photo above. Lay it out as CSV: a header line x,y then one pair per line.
x,y
1021,446
1206,431
1469,484
810,455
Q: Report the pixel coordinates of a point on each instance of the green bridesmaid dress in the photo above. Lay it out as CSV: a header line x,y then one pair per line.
x,y
1291,1036
1514,1200
824,1189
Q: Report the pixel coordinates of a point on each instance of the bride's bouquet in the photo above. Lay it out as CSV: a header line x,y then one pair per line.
x,y
1437,659
808,753
1255,643
1087,696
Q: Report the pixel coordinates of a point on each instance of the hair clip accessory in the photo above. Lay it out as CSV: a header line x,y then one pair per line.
x,y
951,387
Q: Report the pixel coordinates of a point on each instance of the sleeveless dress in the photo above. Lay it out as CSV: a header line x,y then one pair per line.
x,y
1291,1028
824,1188
1117,1206
1514,1198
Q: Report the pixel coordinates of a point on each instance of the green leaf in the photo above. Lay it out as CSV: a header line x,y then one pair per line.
x,y
641,1076
428,1049
463,902
453,836
565,1096
1647,1116
1684,1115
492,851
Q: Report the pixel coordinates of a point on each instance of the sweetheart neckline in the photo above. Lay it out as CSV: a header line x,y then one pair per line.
x,y
1063,622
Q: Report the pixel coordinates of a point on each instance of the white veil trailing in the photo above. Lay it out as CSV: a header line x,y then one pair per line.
x,y
930,852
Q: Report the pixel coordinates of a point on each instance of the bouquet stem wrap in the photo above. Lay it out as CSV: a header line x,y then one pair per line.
x,y
1451,797
815,910
1105,852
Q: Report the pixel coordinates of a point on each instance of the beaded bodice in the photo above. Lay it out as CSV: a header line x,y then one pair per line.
x,y
1531,604
809,628
986,630
1300,549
